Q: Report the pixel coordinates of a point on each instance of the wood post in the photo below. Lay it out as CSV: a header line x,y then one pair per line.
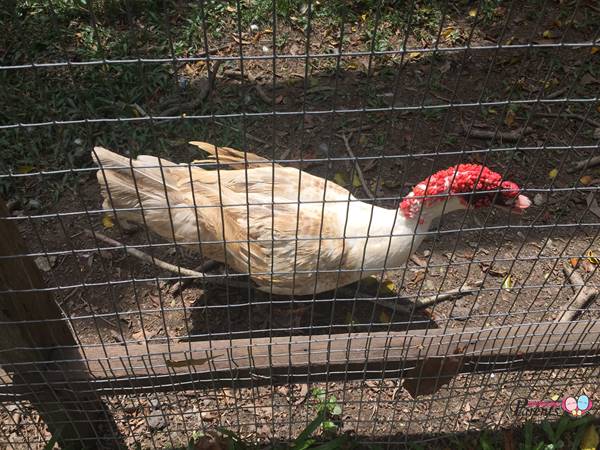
x,y
39,351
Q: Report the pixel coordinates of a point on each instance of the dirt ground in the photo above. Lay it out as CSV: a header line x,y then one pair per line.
x,y
518,259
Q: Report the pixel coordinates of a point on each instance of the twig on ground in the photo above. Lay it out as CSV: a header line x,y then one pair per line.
x,y
256,85
425,302
570,116
583,295
557,93
163,264
361,176
514,135
197,101
246,134
584,164
182,284
366,127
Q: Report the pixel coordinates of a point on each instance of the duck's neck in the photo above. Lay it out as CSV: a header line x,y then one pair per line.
x,y
422,212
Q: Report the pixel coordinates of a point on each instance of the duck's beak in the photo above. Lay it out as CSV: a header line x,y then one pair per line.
x,y
517,205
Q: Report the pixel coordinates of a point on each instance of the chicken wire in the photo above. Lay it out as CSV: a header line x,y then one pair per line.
x,y
387,102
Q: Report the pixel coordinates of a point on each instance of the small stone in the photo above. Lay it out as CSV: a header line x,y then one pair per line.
x,y
539,199
34,204
266,49
12,204
426,253
156,421
254,28
45,263
324,149
155,403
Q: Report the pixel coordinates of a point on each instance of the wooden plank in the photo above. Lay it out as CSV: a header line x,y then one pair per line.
x,y
426,358
39,352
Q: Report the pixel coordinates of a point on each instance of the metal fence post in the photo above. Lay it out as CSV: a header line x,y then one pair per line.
x,y
38,350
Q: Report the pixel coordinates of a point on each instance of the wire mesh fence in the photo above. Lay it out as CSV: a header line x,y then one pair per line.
x,y
407,244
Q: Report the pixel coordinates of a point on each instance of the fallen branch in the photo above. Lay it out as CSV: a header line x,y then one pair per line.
x,y
197,101
180,285
514,135
361,176
584,164
256,85
557,93
163,264
425,302
570,116
583,295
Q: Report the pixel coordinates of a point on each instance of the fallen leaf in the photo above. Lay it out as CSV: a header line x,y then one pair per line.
x,y
590,439
279,99
446,32
592,204
340,178
491,270
591,257
548,34
107,221
419,276
24,169
414,55
508,283
585,180
384,317
574,262
356,180
418,261
302,394
231,9
510,118
472,12
594,50
387,288
553,174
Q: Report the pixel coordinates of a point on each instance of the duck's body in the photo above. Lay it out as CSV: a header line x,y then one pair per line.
x,y
290,231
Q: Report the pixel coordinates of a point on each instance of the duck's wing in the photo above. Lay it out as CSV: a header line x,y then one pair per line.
x,y
234,159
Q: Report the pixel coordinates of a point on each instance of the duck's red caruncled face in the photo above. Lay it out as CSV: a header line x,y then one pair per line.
x,y
476,186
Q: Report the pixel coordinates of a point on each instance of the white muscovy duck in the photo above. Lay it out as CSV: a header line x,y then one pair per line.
x,y
292,232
